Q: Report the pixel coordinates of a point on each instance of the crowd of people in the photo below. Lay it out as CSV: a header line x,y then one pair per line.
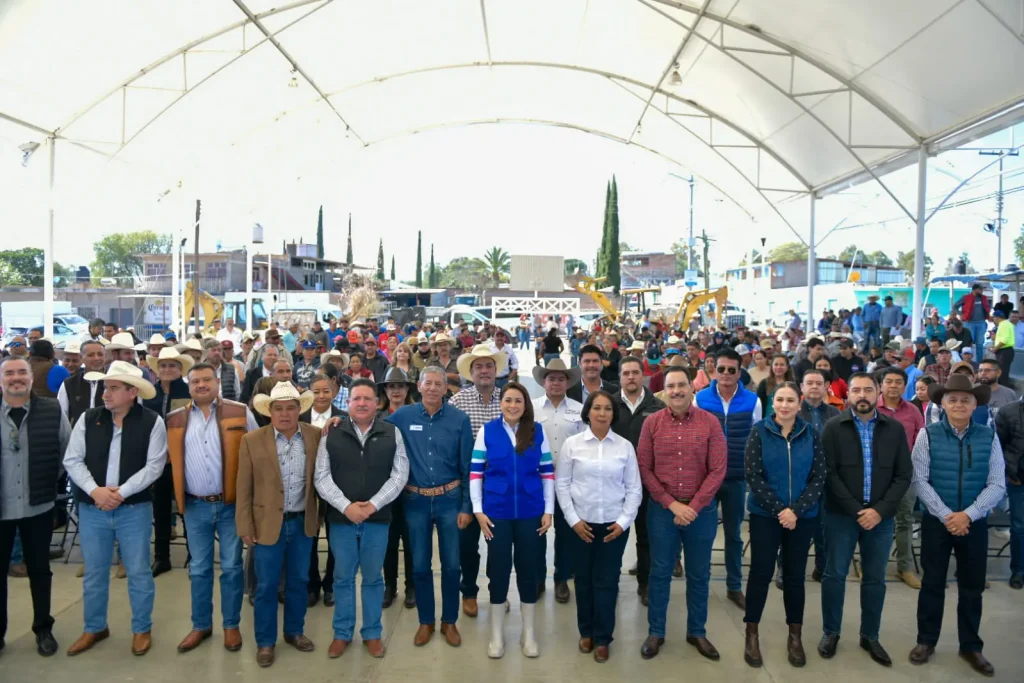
x,y
381,434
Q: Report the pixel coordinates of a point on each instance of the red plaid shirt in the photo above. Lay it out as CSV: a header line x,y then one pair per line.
x,y
682,459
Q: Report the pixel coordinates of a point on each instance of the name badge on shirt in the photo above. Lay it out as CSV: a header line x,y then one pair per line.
x,y
415,428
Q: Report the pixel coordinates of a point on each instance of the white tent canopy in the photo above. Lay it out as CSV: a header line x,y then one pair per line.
x,y
767,101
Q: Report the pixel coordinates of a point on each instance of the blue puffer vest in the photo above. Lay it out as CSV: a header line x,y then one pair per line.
x,y
512,483
787,467
736,425
959,467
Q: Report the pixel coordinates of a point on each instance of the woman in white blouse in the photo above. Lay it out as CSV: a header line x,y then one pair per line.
x,y
598,488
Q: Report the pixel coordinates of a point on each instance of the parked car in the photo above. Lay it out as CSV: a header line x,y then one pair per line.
x,y
62,334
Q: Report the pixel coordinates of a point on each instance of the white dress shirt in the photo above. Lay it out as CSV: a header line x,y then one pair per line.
x,y
156,458
633,406
234,336
559,422
238,384
204,462
756,416
598,481
318,420
331,492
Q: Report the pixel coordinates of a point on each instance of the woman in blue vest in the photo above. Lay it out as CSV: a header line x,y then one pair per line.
x,y
512,484
785,468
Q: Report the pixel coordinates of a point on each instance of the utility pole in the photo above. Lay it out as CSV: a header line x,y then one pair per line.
x,y
997,228
707,275
195,271
689,252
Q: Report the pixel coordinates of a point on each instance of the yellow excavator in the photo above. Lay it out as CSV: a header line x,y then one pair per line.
x,y
589,286
212,307
692,302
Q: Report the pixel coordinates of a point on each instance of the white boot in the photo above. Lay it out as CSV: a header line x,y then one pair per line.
x,y
496,648
529,639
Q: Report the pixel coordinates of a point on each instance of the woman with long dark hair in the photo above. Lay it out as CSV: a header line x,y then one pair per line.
x,y
781,372
785,469
512,485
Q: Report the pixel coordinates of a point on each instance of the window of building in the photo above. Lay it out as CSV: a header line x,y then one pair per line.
x,y
156,269
830,272
190,269
218,269
309,265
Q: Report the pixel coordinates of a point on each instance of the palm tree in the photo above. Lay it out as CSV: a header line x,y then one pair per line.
x,y
495,264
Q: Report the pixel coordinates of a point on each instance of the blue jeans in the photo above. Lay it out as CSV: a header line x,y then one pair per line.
x,y
359,547
17,554
872,331
422,514
524,339
1016,496
130,526
563,534
515,542
843,534
291,554
733,497
204,521
696,540
548,357
978,331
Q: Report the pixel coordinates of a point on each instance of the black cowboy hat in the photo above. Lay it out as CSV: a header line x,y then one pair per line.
x,y
959,382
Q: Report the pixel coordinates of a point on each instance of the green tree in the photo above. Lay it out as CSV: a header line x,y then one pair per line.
x,y
849,252
788,251
432,273
119,255
392,267
614,246
878,258
681,250
320,233
24,268
419,259
905,262
380,261
348,252
601,268
574,265
496,264
463,273
624,247
1018,248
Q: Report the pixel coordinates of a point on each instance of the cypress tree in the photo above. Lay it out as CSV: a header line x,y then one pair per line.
x,y
348,254
320,233
392,268
380,260
602,253
432,273
613,259
419,258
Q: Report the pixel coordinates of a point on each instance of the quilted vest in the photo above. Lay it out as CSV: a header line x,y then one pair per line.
x,y
44,454
360,470
135,431
736,425
787,466
959,467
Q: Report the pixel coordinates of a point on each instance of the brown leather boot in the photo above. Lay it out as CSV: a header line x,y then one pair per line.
x,y
86,641
795,646
194,639
423,635
141,642
337,648
470,607
451,634
752,648
232,639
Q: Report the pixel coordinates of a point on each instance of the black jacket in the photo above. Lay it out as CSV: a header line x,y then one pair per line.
x,y
1010,428
575,392
891,469
249,385
628,425
335,412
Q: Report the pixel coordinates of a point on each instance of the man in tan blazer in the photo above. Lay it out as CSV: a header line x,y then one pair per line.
x,y
276,513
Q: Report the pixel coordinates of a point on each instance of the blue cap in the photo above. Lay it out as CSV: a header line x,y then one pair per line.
x,y
170,335
920,340
309,344
999,313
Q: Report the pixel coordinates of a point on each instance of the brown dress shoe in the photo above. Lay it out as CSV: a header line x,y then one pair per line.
x,y
86,641
470,607
375,647
921,653
451,634
601,654
586,645
423,635
141,642
194,639
978,663
337,648
651,647
265,656
737,598
17,571
704,647
300,642
232,639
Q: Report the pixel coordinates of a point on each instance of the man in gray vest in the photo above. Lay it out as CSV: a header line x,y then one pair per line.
x,y
33,436
115,455
959,474
230,385
361,468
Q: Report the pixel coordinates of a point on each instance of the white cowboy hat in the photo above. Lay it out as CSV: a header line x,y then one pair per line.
x,y
194,345
141,347
557,365
168,353
421,338
637,345
335,353
465,361
952,344
122,341
283,391
157,340
72,347
673,339
442,338
121,371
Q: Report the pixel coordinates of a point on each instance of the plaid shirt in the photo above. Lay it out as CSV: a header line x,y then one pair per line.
x,y
291,456
866,430
682,459
471,403
341,400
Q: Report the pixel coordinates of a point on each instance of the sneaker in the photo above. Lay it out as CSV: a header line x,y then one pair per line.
x,y
1004,534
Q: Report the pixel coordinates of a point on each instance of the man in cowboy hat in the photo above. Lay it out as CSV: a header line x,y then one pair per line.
x,y
423,354
276,513
76,395
115,454
305,369
122,347
957,491
203,441
443,345
218,356
561,417
482,402
71,357
361,468
170,393
33,436
872,316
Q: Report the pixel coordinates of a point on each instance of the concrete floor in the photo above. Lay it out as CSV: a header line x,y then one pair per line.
x,y
559,661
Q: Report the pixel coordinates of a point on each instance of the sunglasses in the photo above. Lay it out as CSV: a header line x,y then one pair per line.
x,y
15,345
721,369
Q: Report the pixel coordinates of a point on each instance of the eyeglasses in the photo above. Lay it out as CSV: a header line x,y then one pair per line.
x,y
15,440
723,369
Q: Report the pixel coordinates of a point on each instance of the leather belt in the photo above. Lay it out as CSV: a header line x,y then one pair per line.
x,y
218,498
436,490
293,515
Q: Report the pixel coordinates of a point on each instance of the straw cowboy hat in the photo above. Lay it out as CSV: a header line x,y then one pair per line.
x,y
168,353
283,391
157,340
637,345
465,362
335,353
540,373
936,391
122,341
953,344
72,347
442,338
120,371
